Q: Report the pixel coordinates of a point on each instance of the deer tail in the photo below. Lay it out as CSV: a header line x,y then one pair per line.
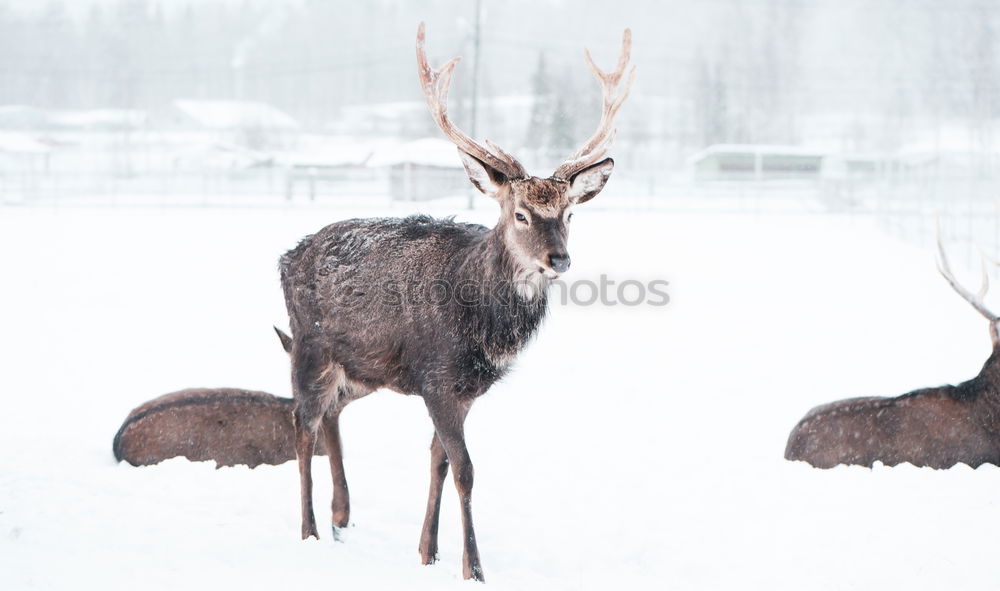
x,y
286,341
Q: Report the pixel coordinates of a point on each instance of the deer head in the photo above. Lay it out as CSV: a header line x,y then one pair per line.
x,y
535,212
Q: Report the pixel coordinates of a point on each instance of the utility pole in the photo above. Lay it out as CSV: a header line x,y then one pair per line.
x,y
475,81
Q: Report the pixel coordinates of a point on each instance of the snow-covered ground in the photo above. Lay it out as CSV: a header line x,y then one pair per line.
x,y
632,447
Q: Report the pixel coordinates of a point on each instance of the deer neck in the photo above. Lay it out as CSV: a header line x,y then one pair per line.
x,y
988,380
984,389
983,394
500,265
502,318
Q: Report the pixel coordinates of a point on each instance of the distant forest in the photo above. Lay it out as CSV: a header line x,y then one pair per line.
x,y
709,71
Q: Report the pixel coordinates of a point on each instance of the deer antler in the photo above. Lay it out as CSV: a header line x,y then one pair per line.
x,y
613,96
975,299
435,85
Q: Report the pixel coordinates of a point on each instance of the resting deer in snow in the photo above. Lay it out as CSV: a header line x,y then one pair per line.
x,y
936,427
358,324
229,425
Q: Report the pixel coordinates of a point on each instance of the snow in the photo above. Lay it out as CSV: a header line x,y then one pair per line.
x,y
631,447
331,157
229,115
29,117
427,151
21,143
99,118
765,149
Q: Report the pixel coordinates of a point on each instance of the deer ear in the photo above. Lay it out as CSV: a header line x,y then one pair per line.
x,y
586,184
487,179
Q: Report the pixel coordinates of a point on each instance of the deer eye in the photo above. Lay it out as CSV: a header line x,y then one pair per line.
x,y
569,217
520,217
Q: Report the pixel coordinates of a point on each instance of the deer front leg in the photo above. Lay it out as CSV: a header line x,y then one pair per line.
x,y
439,470
341,504
449,420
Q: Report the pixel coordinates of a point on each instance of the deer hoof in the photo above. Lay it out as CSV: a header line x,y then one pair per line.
x,y
428,549
338,533
474,572
341,517
309,531
427,558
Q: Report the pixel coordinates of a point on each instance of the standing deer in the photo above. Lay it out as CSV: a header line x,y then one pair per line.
x,y
433,308
936,427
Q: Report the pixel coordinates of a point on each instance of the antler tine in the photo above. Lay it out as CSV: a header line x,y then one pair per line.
x,y
613,96
984,287
987,258
498,151
976,300
435,85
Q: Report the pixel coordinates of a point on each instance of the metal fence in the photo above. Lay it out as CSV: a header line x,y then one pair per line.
x,y
908,207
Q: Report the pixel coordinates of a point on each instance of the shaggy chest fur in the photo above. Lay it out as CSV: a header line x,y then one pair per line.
x,y
410,304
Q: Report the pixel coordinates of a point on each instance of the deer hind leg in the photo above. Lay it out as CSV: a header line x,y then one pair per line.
x,y
341,504
305,441
449,420
439,471
315,389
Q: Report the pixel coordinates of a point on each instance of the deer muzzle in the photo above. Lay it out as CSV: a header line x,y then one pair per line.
x,y
559,262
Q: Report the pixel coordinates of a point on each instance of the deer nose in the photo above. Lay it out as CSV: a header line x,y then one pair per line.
x,y
559,262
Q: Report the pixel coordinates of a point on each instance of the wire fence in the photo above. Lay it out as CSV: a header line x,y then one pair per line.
x,y
907,207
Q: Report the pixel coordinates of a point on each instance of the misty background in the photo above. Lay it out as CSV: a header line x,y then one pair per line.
x,y
781,163
882,106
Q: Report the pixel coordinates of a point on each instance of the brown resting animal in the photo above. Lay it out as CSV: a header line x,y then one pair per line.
x,y
228,425
936,427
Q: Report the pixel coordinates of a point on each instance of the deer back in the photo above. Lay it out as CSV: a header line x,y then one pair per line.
x,y
227,425
397,302
935,427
